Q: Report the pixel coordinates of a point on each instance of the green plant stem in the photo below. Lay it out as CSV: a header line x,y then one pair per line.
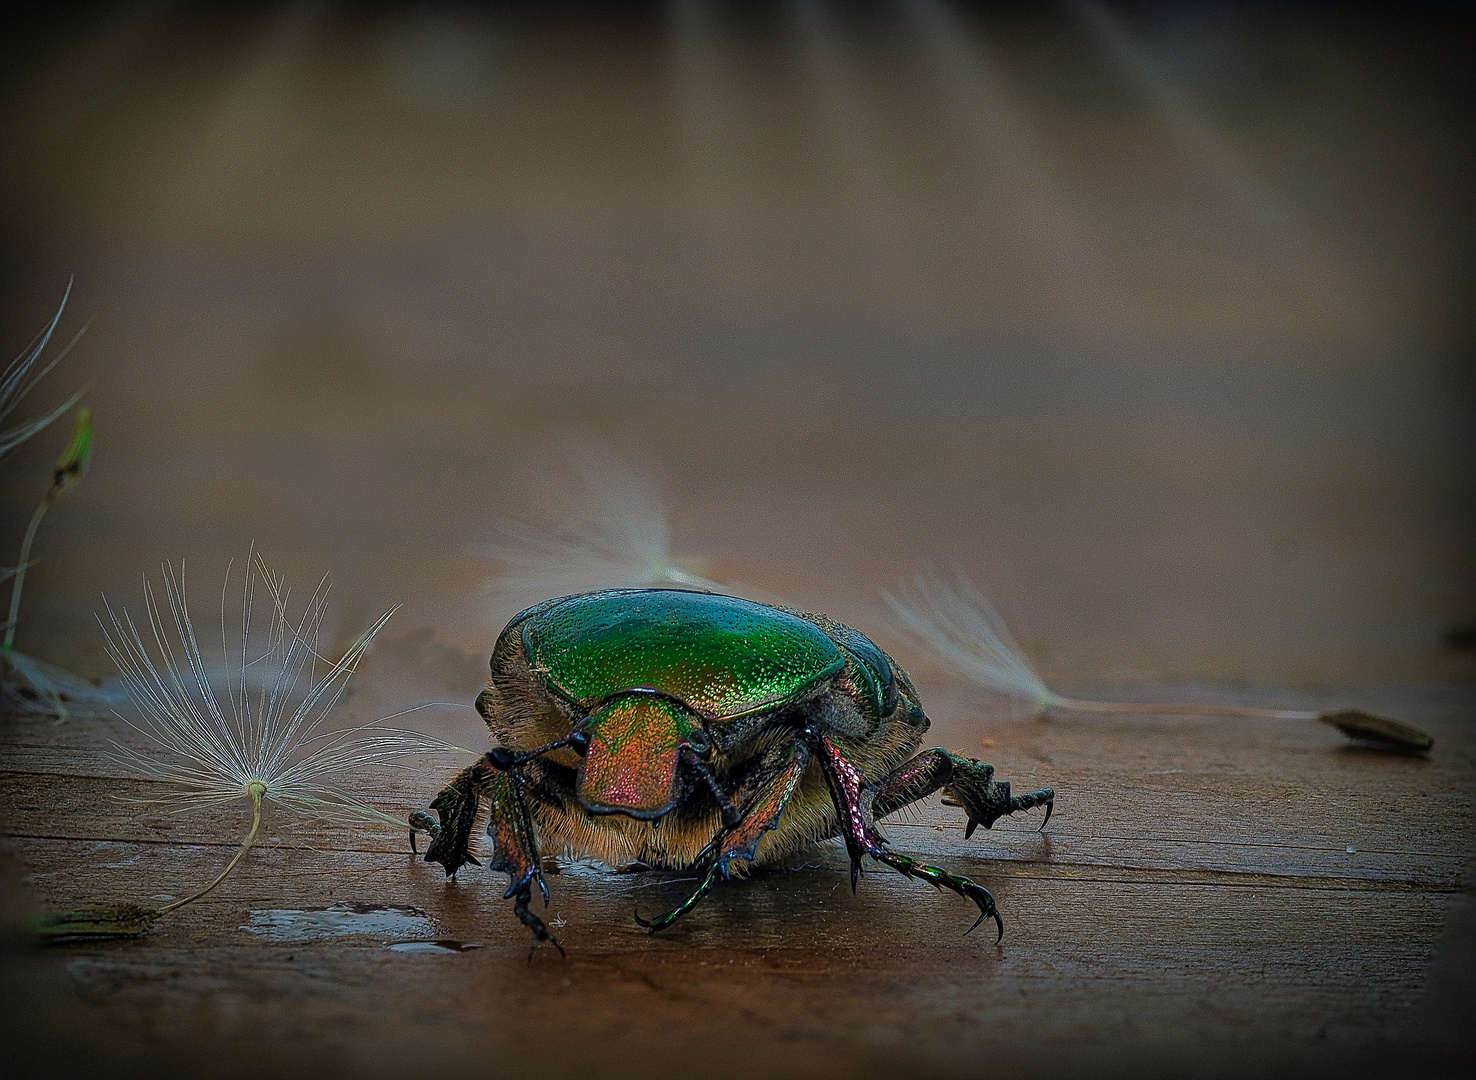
x,y
25,558
245,847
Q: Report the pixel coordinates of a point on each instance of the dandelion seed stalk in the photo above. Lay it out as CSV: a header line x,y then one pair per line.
x,y
257,790
69,470
130,920
953,622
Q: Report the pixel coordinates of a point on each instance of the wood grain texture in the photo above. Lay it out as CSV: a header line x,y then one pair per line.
x,y
1226,897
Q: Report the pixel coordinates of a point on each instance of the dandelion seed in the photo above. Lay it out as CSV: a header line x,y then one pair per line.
x,y
28,682
614,536
954,623
258,732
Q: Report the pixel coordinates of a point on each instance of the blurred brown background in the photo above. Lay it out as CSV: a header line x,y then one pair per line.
x,y
1155,318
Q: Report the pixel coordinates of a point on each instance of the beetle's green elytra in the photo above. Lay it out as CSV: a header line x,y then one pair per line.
x,y
722,656
682,729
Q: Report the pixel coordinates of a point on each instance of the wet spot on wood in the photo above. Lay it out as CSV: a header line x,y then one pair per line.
x,y
339,920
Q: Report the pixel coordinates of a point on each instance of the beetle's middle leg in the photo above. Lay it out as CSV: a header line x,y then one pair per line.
x,y
856,803
762,809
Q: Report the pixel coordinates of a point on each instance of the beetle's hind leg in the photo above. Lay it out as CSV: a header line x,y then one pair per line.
x,y
942,879
964,782
856,802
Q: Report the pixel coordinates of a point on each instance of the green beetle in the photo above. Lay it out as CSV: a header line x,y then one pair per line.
x,y
685,729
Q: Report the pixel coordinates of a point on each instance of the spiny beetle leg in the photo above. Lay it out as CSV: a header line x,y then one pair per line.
x,y
510,830
940,878
1010,804
661,922
767,797
534,923
457,804
780,774
964,782
852,796
855,799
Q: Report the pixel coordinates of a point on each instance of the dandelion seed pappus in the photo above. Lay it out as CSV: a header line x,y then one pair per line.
x,y
257,727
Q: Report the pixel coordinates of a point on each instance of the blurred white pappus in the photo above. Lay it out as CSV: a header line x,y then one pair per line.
x,y
21,377
34,686
255,726
955,625
611,533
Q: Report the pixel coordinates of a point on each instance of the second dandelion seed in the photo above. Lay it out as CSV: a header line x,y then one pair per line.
x,y
254,727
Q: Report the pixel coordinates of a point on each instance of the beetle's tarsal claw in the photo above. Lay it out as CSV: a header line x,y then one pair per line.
x,y
534,923
973,823
987,909
992,915
421,822
661,922
1044,797
942,879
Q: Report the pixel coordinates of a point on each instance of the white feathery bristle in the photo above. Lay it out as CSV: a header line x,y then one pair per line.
x,y
31,685
613,536
955,625
259,718
19,380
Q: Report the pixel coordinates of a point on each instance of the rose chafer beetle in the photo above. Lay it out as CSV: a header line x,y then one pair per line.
x,y
686,729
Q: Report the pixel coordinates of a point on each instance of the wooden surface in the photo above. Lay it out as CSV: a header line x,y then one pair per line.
x,y
1172,371
1222,894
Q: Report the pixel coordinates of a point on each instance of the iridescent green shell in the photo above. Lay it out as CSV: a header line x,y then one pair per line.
x,y
722,656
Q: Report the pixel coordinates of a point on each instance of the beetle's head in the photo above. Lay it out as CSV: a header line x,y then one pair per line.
x,y
634,750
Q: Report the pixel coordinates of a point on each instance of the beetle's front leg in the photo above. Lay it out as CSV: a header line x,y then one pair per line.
x,y
855,800
457,805
515,851
509,828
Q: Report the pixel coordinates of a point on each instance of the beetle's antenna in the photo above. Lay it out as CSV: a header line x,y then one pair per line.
x,y
731,815
953,622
